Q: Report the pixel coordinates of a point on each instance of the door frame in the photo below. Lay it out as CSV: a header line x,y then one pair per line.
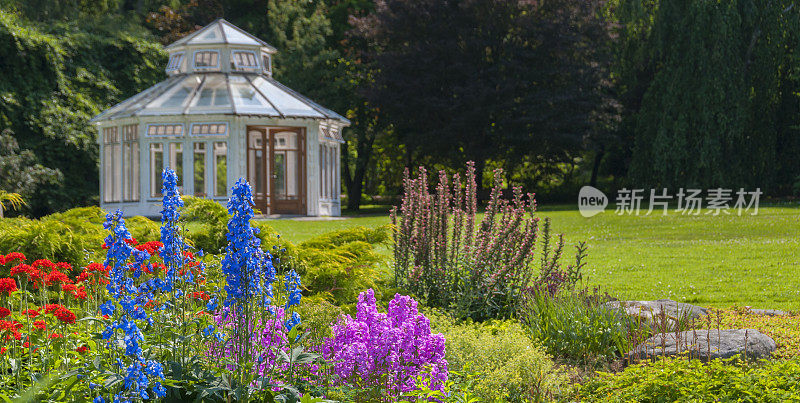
x,y
270,204
289,206
262,204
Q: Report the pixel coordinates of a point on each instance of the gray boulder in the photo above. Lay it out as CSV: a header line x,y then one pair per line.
x,y
707,344
767,312
650,312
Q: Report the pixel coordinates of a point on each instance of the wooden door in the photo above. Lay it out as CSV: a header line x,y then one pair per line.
x,y
258,167
287,165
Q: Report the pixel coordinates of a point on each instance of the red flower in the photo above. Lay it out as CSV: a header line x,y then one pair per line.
x,y
55,336
131,241
64,266
56,277
80,293
44,263
26,344
32,313
2,350
8,285
82,277
11,328
82,349
200,295
49,308
151,247
39,324
11,256
65,315
4,312
69,288
95,267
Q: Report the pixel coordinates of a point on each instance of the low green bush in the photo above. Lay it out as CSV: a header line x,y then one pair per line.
x,y
576,326
209,221
498,361
74,236
342,263
681,380
336,265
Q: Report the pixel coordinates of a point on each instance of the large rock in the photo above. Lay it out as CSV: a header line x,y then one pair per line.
x,y
767,312
723,344
650,312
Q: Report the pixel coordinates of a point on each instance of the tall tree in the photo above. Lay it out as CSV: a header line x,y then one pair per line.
x,y
481,79
20,172
54,78
710,90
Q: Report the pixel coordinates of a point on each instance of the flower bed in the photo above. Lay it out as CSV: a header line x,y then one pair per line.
x,y
163,320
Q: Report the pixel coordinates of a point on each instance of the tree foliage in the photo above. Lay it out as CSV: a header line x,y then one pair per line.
x,y
53,79
482,79
710,91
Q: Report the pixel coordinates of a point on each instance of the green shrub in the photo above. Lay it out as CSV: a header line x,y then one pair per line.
x,y
510,367
47,239
336,265
210,223
74,236
677,379
342,263
576,325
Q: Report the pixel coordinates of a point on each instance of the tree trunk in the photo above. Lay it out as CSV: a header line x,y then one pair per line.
x,y
354,179
354,190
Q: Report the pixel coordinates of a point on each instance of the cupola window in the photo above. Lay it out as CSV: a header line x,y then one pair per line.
x,y
175,61
206,59
244,59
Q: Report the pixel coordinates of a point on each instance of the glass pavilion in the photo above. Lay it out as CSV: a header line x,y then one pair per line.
x,y
220,116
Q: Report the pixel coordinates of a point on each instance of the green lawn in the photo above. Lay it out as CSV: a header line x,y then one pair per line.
x,y
709,260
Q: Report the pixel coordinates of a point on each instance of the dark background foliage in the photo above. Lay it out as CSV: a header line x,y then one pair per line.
x,y
560,93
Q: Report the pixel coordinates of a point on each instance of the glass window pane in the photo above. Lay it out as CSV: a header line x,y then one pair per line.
x,y
176,162
127,166
117,172
177,98
199,165
322,171
135,180
220,169
156,168
206,59
108,174
280,174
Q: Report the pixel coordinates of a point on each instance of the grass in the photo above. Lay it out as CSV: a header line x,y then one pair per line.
x,y
718,261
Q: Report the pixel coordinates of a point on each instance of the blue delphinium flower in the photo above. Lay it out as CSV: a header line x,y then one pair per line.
x,y
212,304
209,330
172,251
293,291
247,268
107,308
132,299
292,321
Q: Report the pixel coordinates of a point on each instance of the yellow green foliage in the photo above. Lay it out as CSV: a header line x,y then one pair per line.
x,y
785,330
74,236
509,366
682,380
336,265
